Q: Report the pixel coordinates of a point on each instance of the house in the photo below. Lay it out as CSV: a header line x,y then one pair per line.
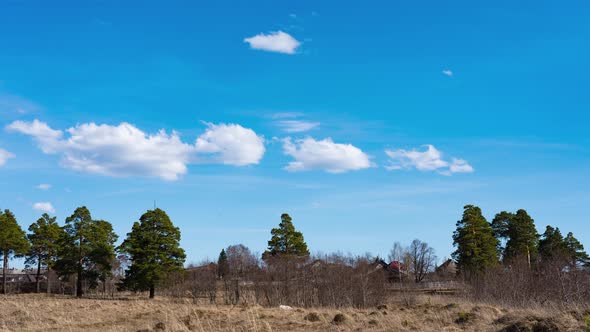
x,y
395,270
447,269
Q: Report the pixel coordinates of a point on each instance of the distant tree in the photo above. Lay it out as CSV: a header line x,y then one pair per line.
x,y
240,260
422,259
286,241
13,241
153,247
44,237
475,242
519,233
222,265
86,249
575,252
551,245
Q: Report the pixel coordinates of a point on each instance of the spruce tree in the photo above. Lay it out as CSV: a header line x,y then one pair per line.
x,y
44,236
13,241
222,264
86,249
286,241
153,247
475,242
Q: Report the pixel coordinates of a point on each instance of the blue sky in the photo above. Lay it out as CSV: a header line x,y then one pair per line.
x,y
368,122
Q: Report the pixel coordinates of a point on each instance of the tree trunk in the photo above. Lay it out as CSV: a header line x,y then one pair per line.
x,y
37,281
79,291
48,280
152,291
4,269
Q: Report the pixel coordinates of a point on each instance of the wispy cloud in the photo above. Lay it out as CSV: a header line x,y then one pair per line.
x,y
276,41
12,104
44,207
429,160
297,126
447,72
43,186
4,156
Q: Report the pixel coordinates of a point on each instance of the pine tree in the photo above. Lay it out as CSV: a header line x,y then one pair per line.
x,y
86,248
286,241
520,234
222,264
154,251
551,245
475,242
13,241
44,236
575,252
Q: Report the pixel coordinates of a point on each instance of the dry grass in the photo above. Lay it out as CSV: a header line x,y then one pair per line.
x,y
42,313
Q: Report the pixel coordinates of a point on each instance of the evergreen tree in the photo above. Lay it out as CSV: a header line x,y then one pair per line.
x,y
86,248
13,241
551,245
154,251
286,241
475,242
222,264
44,236
575,252
520,234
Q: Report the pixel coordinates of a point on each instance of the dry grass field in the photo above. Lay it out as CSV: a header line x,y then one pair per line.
x,y
42,313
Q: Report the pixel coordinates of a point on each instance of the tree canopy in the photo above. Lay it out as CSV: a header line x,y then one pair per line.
x,y
44,238
519,233
286,241
153,247
86,249
475,242
13,241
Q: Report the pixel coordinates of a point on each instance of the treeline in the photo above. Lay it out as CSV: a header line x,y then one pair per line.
x,y
83,250
507,260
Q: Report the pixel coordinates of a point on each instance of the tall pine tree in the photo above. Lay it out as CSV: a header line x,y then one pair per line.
x,y
13,241
86,249
286,241
475,242
551,245
153,247
518,232
575,252
44,237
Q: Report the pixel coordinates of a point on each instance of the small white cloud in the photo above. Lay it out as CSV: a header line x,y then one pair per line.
x,y
447,72
286,115
232,143
4,156
276,41
429,160
296,126
326,155
44,186
293,15
44,207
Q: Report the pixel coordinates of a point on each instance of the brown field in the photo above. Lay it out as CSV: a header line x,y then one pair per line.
x,y
429,313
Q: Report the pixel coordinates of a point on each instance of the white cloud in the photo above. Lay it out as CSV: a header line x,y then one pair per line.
x,y
276,41
44,206
296,126
111,150
286,115
4,156
44,186
447,72
232,143
326,155
429,160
